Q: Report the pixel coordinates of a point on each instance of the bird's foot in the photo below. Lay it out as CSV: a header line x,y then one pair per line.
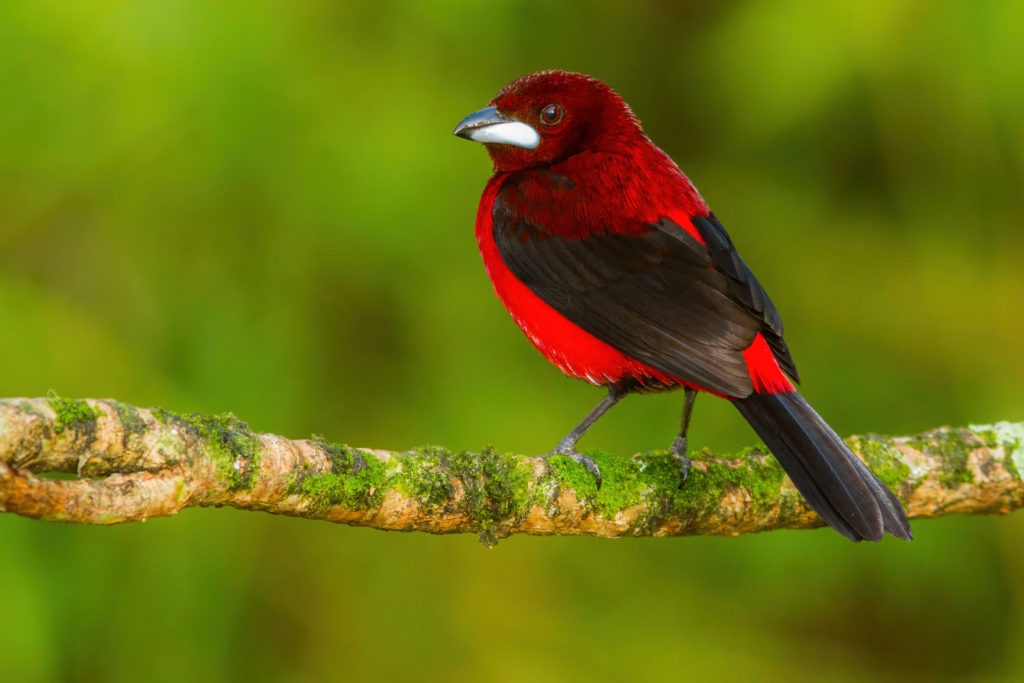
x,y
569,451
679,453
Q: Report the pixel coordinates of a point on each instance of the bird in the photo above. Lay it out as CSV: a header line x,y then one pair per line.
x,y
616,269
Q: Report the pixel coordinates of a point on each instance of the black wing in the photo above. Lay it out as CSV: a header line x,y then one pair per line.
x,y
662,297
746,288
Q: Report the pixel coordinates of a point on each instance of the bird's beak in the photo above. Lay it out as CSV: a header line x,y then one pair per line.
x,y
487,125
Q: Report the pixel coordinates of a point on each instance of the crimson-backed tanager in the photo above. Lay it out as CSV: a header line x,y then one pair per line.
x,y
618,272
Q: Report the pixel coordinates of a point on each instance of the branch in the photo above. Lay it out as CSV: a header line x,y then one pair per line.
x,y
124,464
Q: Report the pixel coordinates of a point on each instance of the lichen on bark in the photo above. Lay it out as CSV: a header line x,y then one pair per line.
x,y
133,463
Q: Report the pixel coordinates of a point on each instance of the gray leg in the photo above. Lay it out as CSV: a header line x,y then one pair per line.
x,y
567,446
679,445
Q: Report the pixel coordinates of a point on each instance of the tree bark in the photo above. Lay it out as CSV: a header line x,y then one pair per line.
x,y
104,462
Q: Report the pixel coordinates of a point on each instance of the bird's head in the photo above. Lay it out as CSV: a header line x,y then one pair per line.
x,y
549,116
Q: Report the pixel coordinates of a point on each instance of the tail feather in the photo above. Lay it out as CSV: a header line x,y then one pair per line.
x,y
840,488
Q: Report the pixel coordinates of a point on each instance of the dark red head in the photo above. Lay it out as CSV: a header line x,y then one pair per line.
x,y
549,116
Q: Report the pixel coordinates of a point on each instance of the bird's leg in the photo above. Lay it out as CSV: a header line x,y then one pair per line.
x,y
567,446
679,445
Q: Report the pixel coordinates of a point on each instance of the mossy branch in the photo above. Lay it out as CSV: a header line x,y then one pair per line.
x,y
124,464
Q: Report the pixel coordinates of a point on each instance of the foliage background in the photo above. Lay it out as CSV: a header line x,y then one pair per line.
x,y
258,207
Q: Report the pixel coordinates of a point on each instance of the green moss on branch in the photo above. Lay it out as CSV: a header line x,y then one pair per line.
x,y
136,463
74,414
230,444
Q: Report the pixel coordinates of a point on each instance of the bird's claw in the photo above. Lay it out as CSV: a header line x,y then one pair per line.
x,y
679,453
578,457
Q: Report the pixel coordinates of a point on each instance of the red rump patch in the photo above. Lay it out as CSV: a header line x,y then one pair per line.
x,y
765,372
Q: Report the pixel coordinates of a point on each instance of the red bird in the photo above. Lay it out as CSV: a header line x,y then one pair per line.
x,y
616,269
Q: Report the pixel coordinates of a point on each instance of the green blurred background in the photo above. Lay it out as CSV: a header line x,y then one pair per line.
x,y
259,207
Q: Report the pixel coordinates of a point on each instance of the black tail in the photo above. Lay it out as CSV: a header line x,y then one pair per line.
x,y
840,488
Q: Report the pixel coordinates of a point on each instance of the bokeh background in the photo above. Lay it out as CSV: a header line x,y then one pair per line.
x,y
259,207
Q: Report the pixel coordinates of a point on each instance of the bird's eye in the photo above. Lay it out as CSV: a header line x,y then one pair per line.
x,y
551,114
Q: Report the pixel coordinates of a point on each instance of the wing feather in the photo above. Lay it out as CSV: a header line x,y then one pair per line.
x,y
684,308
